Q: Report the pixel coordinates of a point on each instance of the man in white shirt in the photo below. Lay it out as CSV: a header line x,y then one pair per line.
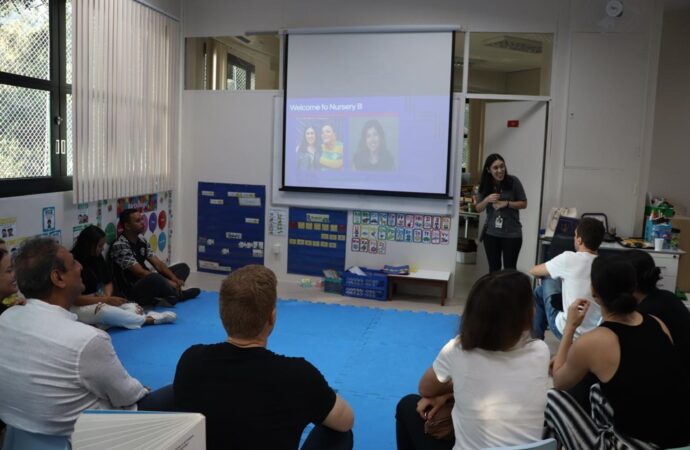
x,y
54,367
573,268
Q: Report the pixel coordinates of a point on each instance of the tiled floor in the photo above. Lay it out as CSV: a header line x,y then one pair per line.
x,y
465,276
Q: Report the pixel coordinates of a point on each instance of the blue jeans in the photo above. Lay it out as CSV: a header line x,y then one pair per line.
x,y
545,314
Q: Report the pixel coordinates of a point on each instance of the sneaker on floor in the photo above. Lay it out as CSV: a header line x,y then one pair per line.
x,y
165,302
162,317
190,293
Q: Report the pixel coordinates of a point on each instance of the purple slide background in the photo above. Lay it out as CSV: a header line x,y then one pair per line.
x,y
422,140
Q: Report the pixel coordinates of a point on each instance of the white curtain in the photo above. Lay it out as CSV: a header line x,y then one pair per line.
x,y
126,99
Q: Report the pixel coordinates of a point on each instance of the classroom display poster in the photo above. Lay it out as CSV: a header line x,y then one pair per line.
x,y
277,221
55,215
9,233
372,231
230,226
316,241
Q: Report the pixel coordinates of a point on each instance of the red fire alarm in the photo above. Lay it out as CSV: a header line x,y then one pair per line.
x,y
513,123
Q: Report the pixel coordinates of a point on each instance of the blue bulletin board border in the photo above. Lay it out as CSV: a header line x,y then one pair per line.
x,y
316,241
230,226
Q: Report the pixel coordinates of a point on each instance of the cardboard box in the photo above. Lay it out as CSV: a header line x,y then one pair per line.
x,y
101,430
683,224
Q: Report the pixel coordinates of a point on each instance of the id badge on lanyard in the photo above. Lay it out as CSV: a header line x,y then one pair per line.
x,y
498,223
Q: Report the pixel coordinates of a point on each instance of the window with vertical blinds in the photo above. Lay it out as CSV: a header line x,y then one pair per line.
x,y
125,99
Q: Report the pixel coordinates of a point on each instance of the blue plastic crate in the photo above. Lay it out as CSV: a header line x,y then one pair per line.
x,y
373,285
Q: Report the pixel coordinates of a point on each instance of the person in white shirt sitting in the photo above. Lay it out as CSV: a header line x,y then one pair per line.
x,y
495,372
54,367
573,268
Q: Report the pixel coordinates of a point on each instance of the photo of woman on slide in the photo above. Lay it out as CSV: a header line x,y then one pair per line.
x,y
331,148
372,152
309,150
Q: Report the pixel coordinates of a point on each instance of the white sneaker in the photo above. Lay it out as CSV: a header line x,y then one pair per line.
x,y
162,317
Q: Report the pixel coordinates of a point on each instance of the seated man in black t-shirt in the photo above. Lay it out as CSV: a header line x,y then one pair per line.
x,y
134,279
253,398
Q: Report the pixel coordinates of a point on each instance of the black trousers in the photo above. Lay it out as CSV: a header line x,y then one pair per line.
x,y
409,428
498,248
154,285
320,438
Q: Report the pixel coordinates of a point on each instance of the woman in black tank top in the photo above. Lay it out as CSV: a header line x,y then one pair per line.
x,y
642,388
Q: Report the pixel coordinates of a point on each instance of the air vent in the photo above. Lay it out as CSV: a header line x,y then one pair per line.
x,y
515,43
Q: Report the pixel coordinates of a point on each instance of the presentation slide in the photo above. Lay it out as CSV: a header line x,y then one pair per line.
x,y
386,132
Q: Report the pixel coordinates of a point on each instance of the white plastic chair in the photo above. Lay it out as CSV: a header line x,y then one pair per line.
x,y
544,444
16,439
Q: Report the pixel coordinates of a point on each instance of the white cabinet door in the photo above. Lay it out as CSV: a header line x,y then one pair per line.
x,y
669,270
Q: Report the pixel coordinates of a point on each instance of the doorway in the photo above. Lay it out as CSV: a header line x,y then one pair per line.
x,y
516,130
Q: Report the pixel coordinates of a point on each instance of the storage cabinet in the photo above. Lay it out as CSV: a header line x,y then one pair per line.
x,y
668,264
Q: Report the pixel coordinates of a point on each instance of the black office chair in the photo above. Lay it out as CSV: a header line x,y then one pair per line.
x,y
608,237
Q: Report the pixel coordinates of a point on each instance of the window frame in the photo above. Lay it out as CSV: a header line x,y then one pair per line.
x,y
58,89
234,60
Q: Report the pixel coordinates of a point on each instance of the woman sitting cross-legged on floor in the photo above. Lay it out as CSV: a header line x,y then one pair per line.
x,y
642,391
497,374
97,305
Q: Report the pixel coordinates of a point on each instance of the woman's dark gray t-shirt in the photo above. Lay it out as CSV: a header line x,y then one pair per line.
x,y
512,228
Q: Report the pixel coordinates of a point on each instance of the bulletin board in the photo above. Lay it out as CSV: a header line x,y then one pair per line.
x,y
230,228
316,241
373,230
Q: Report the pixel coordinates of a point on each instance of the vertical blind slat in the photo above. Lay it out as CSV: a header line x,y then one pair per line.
x,y
125,99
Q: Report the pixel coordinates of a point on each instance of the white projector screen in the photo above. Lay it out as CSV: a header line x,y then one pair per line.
x,y
368,113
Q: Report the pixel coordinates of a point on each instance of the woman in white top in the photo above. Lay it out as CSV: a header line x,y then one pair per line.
x,y
497,375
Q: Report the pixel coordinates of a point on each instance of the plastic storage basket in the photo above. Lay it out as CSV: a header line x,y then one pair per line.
x,y
333,285
373,285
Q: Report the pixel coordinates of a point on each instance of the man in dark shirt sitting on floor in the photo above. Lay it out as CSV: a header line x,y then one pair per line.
x,y
253,398
134,279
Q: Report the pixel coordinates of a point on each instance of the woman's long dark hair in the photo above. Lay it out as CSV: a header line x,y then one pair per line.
x,y
86,244
648,274
614,280
303,144
362,148
499,310
487,184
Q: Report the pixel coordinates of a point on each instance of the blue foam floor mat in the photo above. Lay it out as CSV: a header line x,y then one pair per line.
x,y
372,357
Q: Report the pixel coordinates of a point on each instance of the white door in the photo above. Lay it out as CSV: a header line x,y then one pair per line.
x,y
521,144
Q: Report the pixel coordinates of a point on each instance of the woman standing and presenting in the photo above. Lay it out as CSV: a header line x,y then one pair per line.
x,y
502,196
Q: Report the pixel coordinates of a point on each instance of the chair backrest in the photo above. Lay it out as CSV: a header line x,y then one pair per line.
x,y
16,439
544,444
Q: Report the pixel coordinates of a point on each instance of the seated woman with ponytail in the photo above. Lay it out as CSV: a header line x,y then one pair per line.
x,y
660,303
641,387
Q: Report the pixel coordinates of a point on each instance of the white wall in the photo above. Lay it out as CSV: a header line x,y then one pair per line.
x,y
27,215
670,161
227,137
